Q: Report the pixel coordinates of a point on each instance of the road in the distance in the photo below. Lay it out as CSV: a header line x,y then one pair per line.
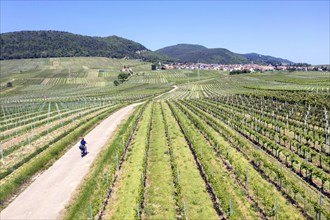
x,y
48,195
158,97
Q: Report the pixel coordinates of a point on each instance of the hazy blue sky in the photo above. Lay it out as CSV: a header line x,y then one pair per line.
x,y
296,30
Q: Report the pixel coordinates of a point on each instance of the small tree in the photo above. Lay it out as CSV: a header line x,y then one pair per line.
x,y
285,138
324,178
286,154
116,83
295,190
9,84
123,76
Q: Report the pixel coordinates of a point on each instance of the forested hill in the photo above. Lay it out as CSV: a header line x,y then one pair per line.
x,y
197,53
36,44
258,58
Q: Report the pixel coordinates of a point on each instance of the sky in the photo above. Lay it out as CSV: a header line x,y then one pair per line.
x,y
294,30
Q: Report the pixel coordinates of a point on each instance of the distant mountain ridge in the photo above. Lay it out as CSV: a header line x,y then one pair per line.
x,y
258,58
196,53
37,44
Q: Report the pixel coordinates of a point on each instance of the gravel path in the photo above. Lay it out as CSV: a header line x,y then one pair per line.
x,y
158,97
48,195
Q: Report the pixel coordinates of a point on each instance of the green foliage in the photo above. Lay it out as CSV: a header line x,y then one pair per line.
x,y
159,196
36,44
116,83
198,53
234,72
156,57
262,59
41,44
123,76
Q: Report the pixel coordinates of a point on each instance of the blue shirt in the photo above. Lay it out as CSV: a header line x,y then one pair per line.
x,y
82,142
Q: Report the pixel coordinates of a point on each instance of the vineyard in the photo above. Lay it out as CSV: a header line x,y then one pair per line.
x,y
213,158
202,145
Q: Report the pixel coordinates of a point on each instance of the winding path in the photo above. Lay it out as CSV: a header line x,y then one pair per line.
x,y
48,195
172,90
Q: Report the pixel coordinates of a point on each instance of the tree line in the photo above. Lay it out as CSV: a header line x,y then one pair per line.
x,y
43,44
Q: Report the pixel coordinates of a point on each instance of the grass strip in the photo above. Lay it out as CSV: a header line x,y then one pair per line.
x,y
159,200
124,201
198,204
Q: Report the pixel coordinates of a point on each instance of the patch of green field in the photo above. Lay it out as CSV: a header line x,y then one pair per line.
x,y
193,189
124,199
159,200
61,73
220,83
304,78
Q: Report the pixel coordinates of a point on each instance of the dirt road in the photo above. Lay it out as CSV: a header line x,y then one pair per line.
x,y
47,196
159,97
